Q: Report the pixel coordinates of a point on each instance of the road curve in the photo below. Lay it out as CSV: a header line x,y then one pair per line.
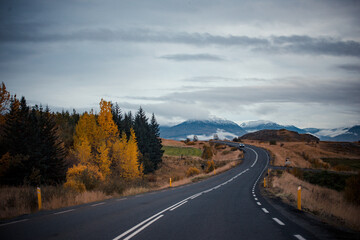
x,y
226,206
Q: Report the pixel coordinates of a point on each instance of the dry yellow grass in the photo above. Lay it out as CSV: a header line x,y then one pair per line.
x,y
15,201
328,204
300,153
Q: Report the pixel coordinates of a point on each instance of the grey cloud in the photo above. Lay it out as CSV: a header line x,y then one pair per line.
x,y
350,67
308,45
276,44
338,93
192,57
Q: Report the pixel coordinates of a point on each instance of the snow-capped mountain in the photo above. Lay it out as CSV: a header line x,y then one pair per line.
x,y
336,134
253,126
203,129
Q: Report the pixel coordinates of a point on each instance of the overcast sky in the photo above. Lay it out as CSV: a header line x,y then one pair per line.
x,y
292,62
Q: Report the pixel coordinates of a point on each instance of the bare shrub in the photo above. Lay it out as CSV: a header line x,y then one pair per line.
x,y
192,171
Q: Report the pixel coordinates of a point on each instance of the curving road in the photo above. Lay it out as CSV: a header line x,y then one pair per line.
x,y
227,206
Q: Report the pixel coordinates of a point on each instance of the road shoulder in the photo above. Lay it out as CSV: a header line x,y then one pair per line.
x,y
308,221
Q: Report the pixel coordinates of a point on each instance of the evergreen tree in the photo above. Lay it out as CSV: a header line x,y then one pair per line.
x,y
155,142
32,147
117,117
143,136
128,123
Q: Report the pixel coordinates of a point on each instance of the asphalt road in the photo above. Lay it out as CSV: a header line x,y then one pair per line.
x,y
226,206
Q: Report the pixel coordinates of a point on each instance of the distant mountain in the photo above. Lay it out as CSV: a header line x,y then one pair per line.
x,y
253,126
203,129
351,135
279,135
336,134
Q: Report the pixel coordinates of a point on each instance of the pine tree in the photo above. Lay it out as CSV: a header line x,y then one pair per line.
x,y
117,117
155,143
4,103
143,135
34,150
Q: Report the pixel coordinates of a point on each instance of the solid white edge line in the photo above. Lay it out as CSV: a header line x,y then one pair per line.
x,y
278,221
121,199
178,206
265,210
97,204
70,210
299,237
143,227
4,224
256,157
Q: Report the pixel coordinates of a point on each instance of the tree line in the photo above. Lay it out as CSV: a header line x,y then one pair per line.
x,y
38,146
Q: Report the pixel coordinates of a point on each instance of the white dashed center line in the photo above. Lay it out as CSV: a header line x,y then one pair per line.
x,y
278,221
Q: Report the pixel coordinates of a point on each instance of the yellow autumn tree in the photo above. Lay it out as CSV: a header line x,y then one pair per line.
x,y
82,150
87,128
126,156
102,160
93,140
109,130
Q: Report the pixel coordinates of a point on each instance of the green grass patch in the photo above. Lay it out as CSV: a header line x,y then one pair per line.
x,y
326,179
178,151
353,164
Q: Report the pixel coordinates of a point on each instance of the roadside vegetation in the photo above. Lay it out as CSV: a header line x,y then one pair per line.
x,y
78,158
332,206
331,191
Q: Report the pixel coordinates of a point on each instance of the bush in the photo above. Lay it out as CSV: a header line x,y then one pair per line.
x,y
192,171
352,189
297,173
225,152
272,142
210,166
207,153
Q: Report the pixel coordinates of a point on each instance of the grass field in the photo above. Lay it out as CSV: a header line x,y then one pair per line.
x,y
178,151
352,164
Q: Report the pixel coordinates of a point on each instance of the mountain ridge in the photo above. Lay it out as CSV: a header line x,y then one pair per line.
x,y
206,128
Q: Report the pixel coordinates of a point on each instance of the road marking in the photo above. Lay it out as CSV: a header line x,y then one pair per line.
x,y
66,211
143,227
299,237
97,204
255,198
196,195
158,215
258,203
4,224
265,211
121,199
178,206
256,157
278,221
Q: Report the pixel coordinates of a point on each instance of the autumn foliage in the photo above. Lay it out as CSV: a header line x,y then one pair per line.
x,y
101,152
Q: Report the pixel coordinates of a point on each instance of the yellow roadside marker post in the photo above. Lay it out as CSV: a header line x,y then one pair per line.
x,y
39,197
299,198
170,182
264,182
